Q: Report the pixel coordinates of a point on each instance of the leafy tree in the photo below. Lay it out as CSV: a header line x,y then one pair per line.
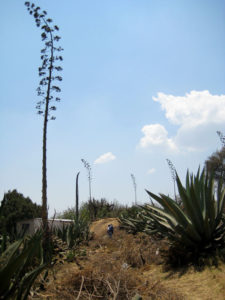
x,y
69,214
48,72
94,209
98,208
15,207
216,164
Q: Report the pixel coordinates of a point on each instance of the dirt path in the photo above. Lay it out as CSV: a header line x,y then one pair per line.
x,y
100,227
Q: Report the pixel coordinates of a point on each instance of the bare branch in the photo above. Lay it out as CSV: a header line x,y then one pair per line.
x,y
81,286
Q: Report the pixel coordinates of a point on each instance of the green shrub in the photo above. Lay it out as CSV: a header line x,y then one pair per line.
x,y
96,209
74,233
70,257
69,214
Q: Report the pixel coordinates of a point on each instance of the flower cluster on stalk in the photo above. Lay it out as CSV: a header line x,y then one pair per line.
x,y
51,58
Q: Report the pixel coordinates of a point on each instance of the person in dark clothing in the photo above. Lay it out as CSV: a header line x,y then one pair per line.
x,y
110,230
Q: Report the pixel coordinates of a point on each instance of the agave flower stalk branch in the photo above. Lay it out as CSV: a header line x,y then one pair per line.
x,y
88,168
173,174
135,188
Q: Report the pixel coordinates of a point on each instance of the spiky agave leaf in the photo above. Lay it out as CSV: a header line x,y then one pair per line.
x,y
132,225
201,223
169,226
16,272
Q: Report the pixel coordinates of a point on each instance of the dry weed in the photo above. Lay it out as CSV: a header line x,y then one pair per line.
x,y
114,269
98,285
141,249
120,285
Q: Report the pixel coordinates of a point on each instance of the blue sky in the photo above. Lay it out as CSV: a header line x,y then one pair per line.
x,y
142,81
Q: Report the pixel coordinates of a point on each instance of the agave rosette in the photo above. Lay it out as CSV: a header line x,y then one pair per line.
x,y
199,220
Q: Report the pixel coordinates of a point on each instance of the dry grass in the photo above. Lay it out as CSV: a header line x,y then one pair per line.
x,y
120,267
140,250
205,285
105,281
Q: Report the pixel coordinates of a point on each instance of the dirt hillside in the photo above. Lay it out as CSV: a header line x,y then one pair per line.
x,y
124,266
100,227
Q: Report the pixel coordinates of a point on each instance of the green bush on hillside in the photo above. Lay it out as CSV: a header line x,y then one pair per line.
x,y
95,209
74,233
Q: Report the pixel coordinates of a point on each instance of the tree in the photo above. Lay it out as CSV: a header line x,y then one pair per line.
x,y
93,209
15,207
48,72
216,164
69,214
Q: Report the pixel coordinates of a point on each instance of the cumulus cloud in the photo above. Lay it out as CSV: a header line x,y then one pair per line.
x,y
104,158
151,171
194,109
197,116
156,135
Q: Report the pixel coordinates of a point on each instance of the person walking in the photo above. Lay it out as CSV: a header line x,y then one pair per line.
x,y
110,230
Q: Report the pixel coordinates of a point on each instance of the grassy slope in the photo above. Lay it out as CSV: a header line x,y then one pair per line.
x,y
103,267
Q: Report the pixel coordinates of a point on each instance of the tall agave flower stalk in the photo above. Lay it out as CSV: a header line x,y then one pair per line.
x,y
77,198
48,72
199,222
88,168
173,174
135,188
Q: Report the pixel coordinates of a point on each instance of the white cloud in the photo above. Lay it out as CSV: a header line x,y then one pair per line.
x,y
193,109
156,135
104,158
151,171
198,115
